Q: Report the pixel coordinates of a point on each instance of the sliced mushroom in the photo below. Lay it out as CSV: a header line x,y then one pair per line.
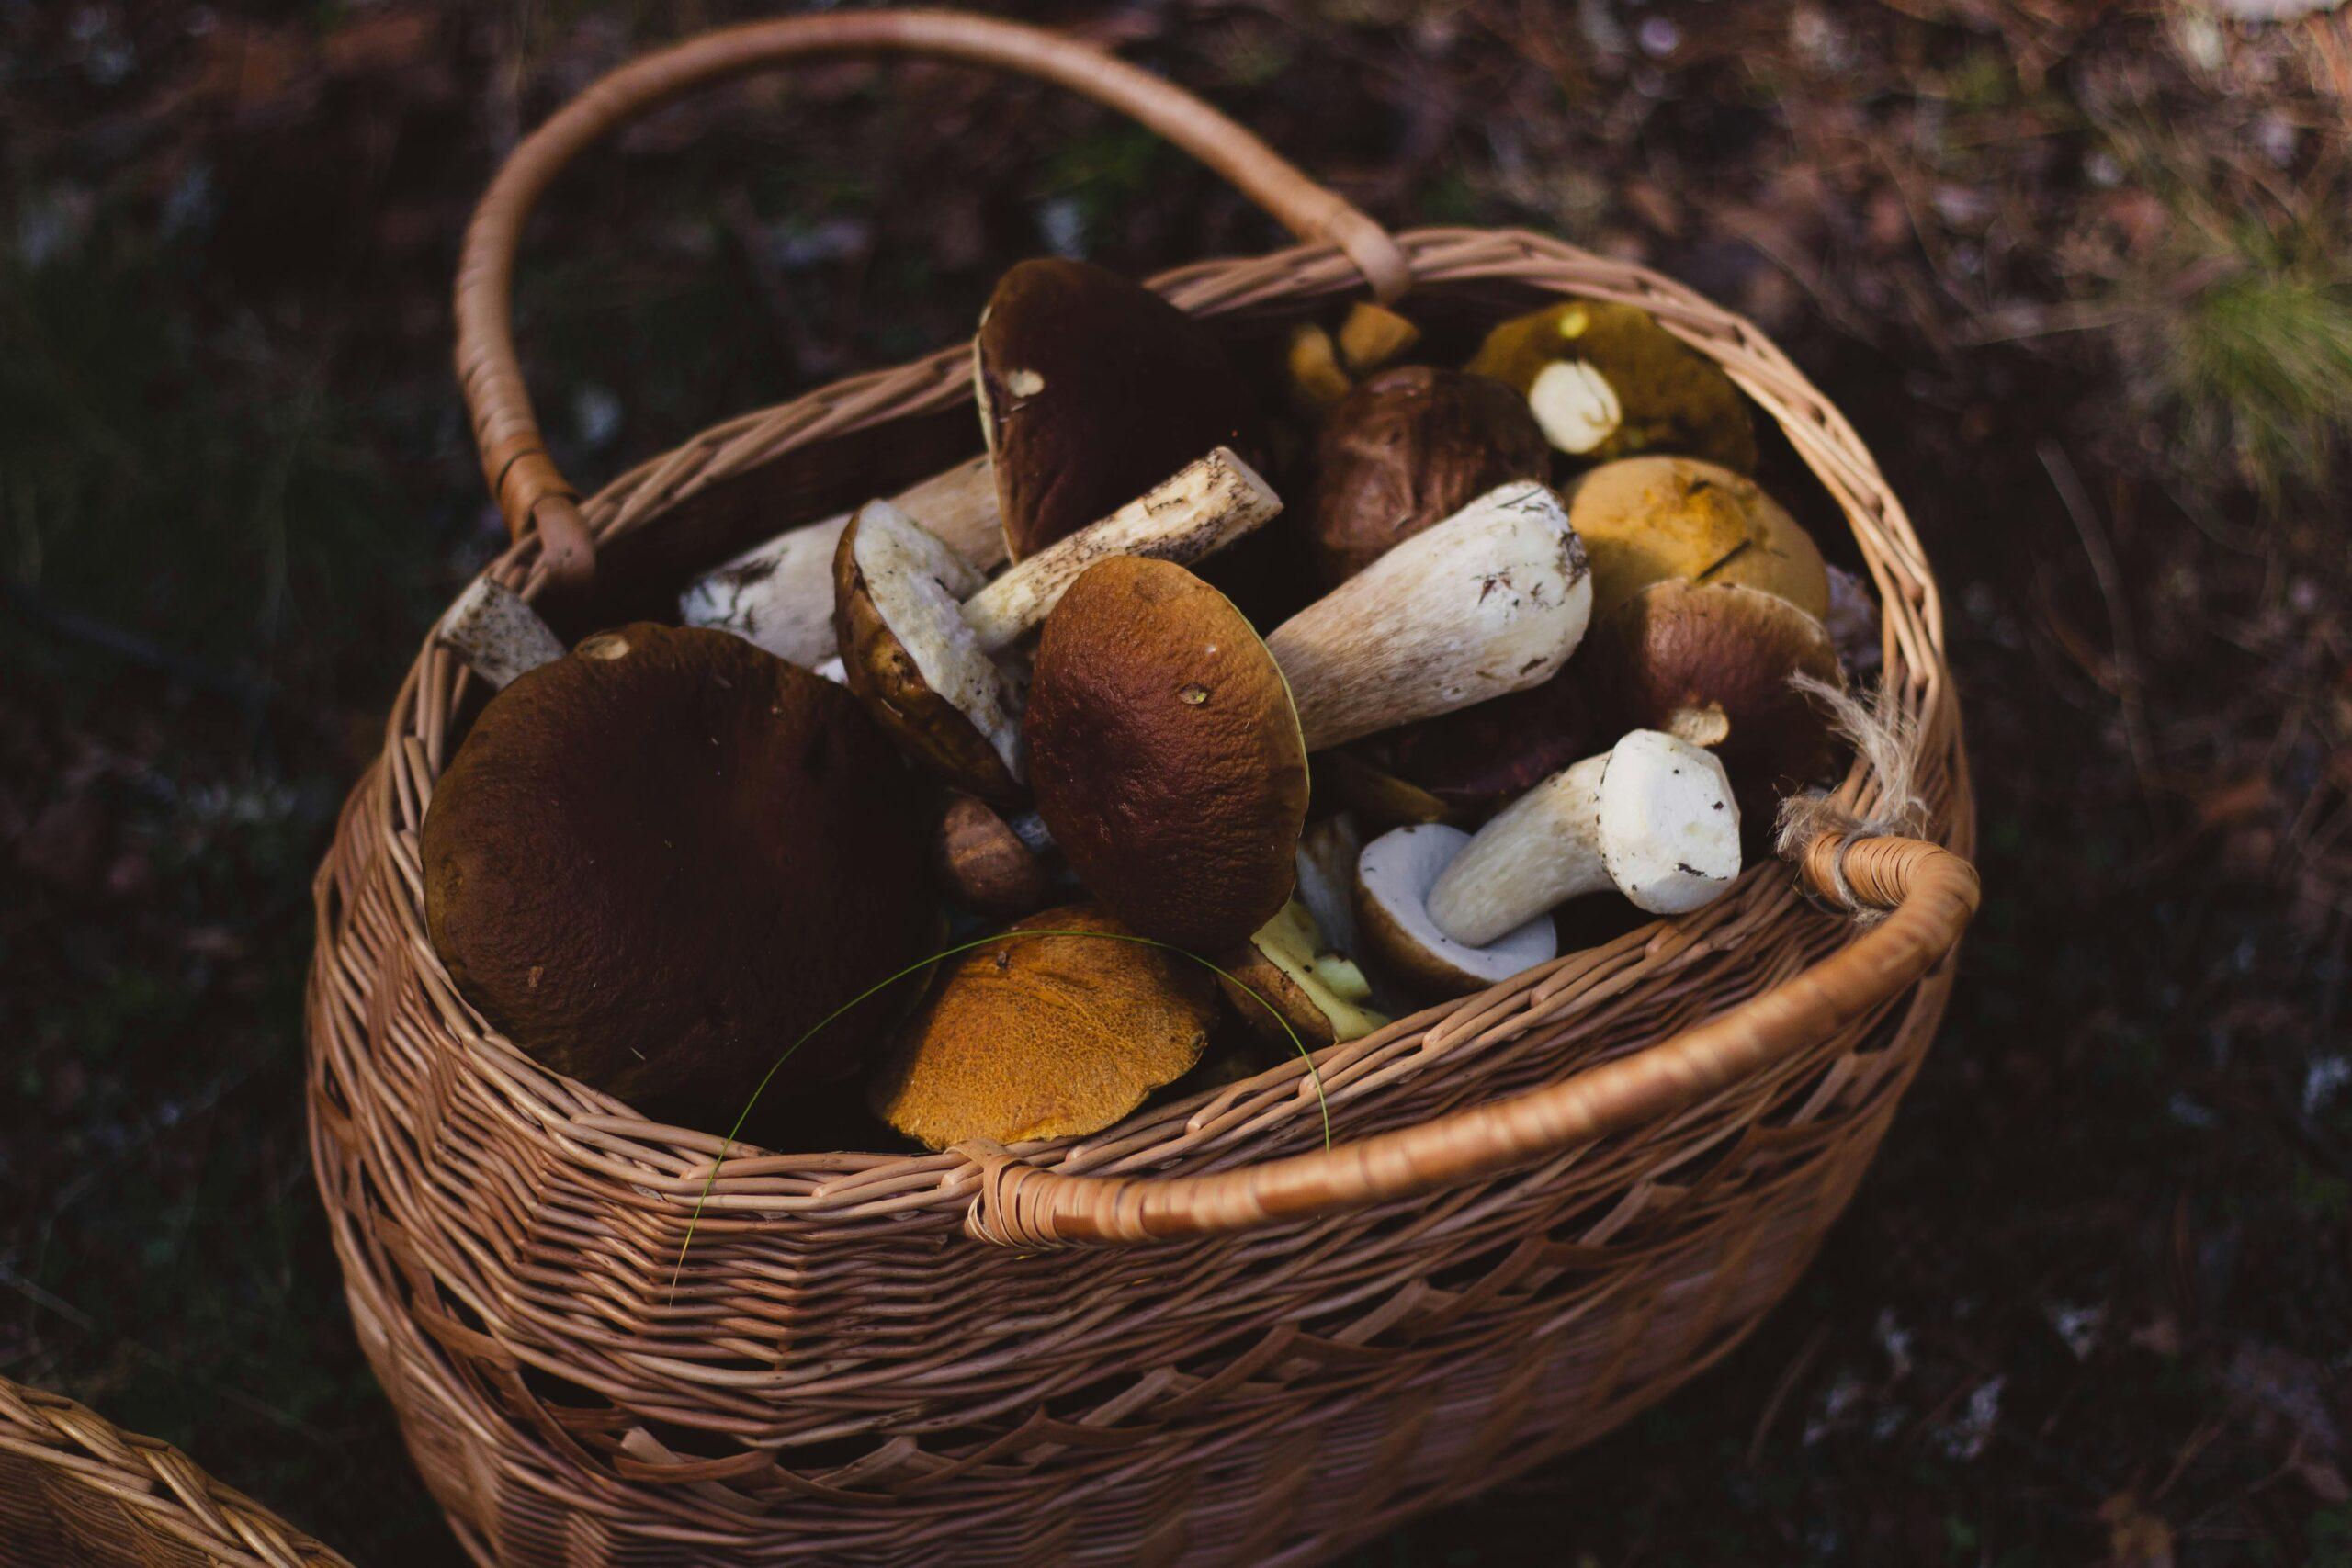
x,y
1392,878
921,635
1168,743
1289,968
1645,520
1653,817
780,594
1046,1036
1711,664
1407,448
1092,388
498,635
985,861
1606,380
656,861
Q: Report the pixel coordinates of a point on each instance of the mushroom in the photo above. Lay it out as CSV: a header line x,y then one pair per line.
x,y
1407,448
1461,765
1653,817
920,634
497,634
1646,519
1606,380
1372,335
1711,664
1168,743
659,859
988,860
1092,388
1046,1036
780,594
1289,973
1311,362
1391,889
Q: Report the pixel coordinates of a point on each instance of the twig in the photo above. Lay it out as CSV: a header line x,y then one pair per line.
x,y
2129,696
1797,1368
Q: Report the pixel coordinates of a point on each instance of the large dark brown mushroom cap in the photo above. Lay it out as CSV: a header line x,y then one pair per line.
x,y
1477,760
1093,389
1407,448
1711,663
657,862
1164,754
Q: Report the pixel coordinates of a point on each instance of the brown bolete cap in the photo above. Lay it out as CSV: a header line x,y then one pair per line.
x,y
1464,764
985,864
1605,380
659,859
1046,1036
1092,389
1407,448
1164,754
1644,520
1711,664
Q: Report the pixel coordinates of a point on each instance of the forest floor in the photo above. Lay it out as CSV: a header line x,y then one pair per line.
x,y
2078,272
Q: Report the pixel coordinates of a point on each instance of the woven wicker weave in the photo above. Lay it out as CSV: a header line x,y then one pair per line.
x,y
1547,1206
76,1491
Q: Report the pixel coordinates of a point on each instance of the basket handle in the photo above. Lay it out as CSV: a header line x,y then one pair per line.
x,y
515,459
1930,891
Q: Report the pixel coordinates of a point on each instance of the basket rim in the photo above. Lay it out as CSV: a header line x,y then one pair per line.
x,y
1222,1122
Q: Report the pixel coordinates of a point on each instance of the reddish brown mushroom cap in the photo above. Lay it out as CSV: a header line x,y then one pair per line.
x,y
1164,754
656,861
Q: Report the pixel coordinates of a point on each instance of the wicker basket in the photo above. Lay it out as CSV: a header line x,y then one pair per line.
x,y
1548,1204
76,1490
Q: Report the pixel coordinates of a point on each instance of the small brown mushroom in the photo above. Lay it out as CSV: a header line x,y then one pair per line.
x,y
921,636
1711,663
1645,520
1168,743
656,861
1460,766
986,863
1605,380
1407,448
1289,967
1372,335
1046,1036
1092,388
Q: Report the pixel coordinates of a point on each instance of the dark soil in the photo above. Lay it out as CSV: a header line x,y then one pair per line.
x,y
2052,255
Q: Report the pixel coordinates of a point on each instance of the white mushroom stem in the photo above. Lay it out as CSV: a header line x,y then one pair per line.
x,y
780,594
1192,515
1493,600
1652,816
497,634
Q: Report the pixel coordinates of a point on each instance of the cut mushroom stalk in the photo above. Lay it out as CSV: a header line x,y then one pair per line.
x,y
921,635
1392,882
498,635
1653,817
780,594
1492,600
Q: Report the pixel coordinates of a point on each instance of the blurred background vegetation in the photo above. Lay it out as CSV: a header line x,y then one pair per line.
x,y
2077,269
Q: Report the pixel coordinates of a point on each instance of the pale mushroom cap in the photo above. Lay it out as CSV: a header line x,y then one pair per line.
x,y
1393,876
1290,967
1669,828
1645,520
912,659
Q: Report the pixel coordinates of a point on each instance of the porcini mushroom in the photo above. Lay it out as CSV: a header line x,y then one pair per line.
x,y
1711,664
1372,335
1046,1035
1407,448
1606,380
1461,765
1289,973
919,635
498,635
1092,388
1168,743
1393,877
1653,817
987,862
780,594
657,861
1644,520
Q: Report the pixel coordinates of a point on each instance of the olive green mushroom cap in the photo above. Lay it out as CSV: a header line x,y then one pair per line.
x,y
1605,380
656,861
1166,755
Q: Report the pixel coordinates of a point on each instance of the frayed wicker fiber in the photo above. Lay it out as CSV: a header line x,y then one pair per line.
x,y
1198,1337
76,1490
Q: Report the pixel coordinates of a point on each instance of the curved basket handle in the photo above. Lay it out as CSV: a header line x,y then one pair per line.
x,y
1931,892
515,459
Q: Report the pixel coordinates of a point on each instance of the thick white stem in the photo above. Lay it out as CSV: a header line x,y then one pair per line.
x,y
1541,849
1194,514
1491,600
496,634
780,594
